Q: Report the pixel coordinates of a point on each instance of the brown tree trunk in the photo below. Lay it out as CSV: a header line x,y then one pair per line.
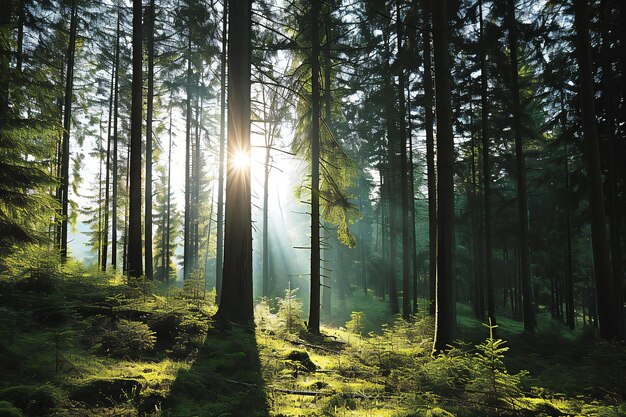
x,y
220,179
522,194
429,94
607,311
314,306
150,106
236,297
445,313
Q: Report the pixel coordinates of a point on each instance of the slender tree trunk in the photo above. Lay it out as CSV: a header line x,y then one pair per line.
x,y
135,269
486,165
445,315
612,164
168,215
236,298
115,141
314,306
607,311
196,186
266,248
67,121
150,106
21,17
404,180
188,206
412,204
220,180
105,238
522,194
431,175
392,180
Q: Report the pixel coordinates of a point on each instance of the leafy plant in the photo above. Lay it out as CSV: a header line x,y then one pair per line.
x,y
289,309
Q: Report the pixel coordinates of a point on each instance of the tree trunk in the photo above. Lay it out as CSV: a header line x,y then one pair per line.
x,y
236,298
404,180
607,311
105,237
149,109
67,121
429,94
135,269
168,227
114,168
220,181
445,316
314,306
522,194
486,165
188,205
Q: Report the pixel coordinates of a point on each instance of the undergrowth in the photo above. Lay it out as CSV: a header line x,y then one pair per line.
x,y
77,342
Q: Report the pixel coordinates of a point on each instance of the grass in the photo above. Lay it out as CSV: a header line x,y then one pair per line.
x,y
53,363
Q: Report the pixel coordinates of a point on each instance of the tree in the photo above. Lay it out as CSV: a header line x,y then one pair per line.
x,y
445,316
149,110
314,305
607,311
63,191
236,298
134,258
522,193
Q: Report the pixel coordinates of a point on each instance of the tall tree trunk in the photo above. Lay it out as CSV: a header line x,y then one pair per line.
x,y
445,316
522,194
236,298
266,247
392,179
612,164
67,121
135,268
404,180
607,311
412,210
115,141
21,17
431,175
220,180
314,306
105,237
188,206
486,165
168,228
149,109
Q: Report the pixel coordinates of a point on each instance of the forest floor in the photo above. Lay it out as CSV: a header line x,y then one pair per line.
x,y
84,344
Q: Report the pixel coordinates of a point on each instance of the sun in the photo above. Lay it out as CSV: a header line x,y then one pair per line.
x,y
241,160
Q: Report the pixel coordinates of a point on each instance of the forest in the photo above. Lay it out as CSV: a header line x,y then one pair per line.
x,y
285,208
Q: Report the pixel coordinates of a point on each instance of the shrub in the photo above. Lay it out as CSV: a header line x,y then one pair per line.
x,y
128,338
32,399
289,309
356,323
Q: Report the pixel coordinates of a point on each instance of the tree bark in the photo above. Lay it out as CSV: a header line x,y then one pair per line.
x,y
67,121
522,194
236,298
607,311
445,315
431,175
149,109
135,267
188,205
486,166
404,179
114,168
220,180
314,306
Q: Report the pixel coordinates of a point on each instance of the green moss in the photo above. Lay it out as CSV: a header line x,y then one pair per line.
x,y
33,399
9,410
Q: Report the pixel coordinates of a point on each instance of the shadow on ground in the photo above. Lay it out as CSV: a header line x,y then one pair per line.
x,y
225,379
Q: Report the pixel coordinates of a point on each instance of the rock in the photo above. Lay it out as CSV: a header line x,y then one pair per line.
x,y
302,359
107,391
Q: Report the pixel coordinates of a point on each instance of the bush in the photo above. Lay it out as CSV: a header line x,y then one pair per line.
x,y
36,400
355,324
128,338
289,309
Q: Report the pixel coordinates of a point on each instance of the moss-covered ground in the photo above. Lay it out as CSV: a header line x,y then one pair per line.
x,y
86,344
